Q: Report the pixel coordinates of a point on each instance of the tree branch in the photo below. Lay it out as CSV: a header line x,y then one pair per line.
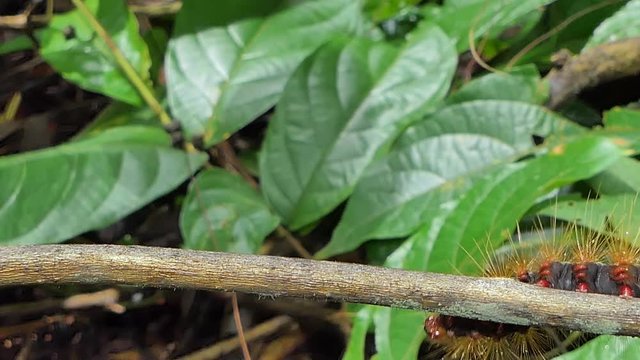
x,y
594,66
502,300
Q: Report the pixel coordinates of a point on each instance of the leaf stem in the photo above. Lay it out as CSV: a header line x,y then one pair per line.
x,y
145,92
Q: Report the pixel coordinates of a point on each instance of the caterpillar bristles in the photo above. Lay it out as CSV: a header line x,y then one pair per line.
x,y
514,346
570,257
465,339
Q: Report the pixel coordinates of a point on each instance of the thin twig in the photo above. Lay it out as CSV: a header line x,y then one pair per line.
x,y
124,64
25,308
476,56
236,318
232,163
155,8
31,326
471,38
282,232
540,39
564,345
107,298
20,21
500,300
224,347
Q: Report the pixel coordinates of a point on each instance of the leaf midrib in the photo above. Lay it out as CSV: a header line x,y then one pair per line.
x,y
359,108
507,160
242,51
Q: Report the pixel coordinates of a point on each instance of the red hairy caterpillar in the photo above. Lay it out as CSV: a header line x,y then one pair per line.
x,y
581,259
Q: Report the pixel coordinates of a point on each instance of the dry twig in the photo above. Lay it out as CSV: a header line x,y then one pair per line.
x,y
224,347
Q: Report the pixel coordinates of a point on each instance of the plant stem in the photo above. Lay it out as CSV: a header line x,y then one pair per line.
x,y
127,68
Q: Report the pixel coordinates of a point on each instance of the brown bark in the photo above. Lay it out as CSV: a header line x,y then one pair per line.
x,y
502,300
594,66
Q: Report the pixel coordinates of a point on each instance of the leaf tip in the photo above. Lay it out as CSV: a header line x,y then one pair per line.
x,y
323,253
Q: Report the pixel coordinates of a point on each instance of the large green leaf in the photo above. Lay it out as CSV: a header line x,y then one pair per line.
x,y
624,24
119,114
52,195
622,118
360,326
458,18
223,213
70,46
434,158
18,43
623,125
606,347
452,238
494,203
338,109
520,84
621,177
221,74
618,211
400,333
624,175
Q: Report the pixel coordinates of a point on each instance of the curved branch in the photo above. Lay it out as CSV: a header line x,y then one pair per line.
x,y
502,300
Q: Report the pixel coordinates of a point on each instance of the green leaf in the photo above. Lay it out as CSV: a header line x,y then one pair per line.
x,y
562,33
624,24
498,199
51,195
606,347
621,177
402,335
72,48
18,43
521,84
156,40
339,108
452,238
581,113
360,326
119,114
223,213
622,118
458,18
623,125
222,75
434,158
378,251
622,212
492,205
380,10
